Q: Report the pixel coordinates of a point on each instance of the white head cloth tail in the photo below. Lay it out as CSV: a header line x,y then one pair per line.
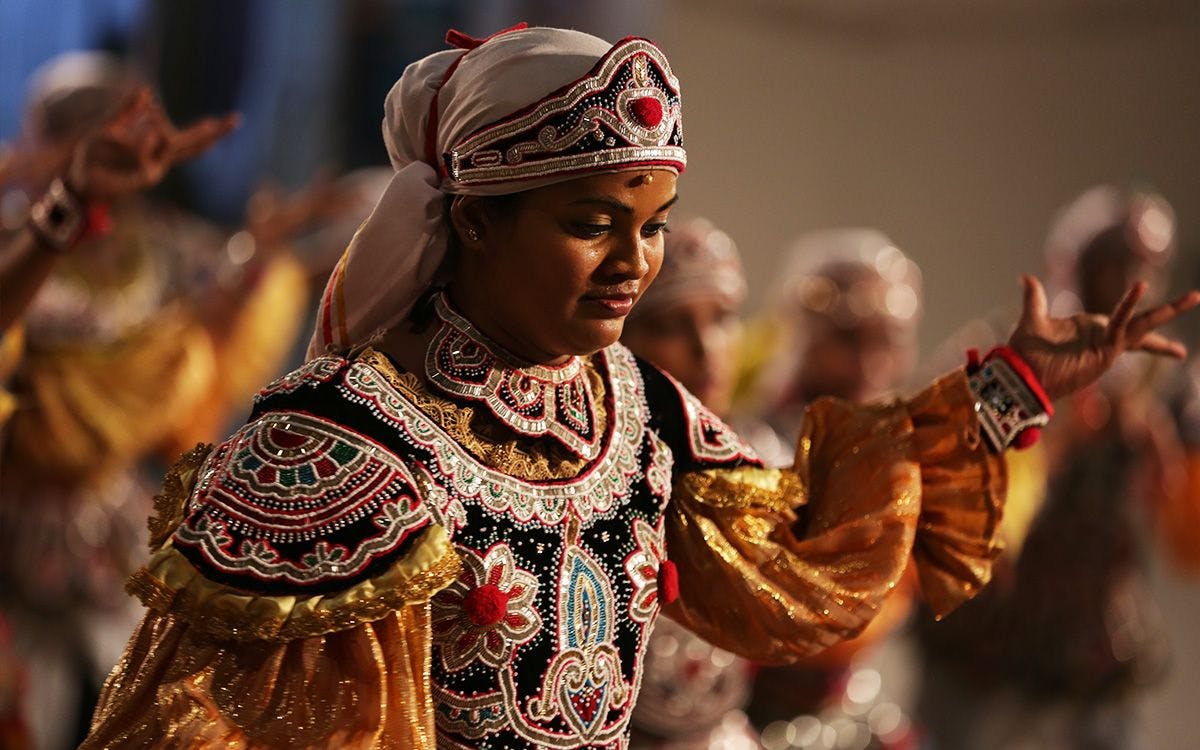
x,y
396,253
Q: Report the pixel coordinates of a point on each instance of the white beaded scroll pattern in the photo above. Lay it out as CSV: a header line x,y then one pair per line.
x,y
607,482
527,147
463,363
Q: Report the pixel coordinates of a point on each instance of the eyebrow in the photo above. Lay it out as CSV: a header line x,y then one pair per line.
x,y
617,205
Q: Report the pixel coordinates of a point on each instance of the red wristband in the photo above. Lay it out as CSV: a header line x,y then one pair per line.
x,y
1022,368
1011,403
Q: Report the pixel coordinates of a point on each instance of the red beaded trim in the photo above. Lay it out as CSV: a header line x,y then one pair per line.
x,y
1022,368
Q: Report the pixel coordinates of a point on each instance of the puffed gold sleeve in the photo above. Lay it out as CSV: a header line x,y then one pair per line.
x,y
12,342
779,564
214,667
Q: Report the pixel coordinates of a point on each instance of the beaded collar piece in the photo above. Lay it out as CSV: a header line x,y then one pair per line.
x,y
625,112
533,400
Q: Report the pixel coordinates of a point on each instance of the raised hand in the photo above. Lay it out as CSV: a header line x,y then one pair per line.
x,y
1068,353
274,218
136,148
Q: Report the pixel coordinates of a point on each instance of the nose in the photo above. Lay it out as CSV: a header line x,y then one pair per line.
x,y
628,257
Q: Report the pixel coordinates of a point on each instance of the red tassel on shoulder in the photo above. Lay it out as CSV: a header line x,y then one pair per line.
x,y
668,583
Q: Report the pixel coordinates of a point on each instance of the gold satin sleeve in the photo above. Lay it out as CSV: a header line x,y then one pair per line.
x,y
252,351
214,667
84,410
366,687
777,564
1178,518
12,343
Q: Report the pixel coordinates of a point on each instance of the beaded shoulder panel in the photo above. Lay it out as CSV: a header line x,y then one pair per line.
x,y
297,502
699,438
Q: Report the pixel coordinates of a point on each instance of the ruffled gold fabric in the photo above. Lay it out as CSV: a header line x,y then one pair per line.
x,y
169,584
779,564
963,486
177,485
85,410
176,687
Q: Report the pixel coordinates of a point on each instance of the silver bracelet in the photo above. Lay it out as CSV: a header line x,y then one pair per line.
x,y
58,218
1005,403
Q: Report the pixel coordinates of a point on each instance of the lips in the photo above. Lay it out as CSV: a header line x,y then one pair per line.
x,y
614,303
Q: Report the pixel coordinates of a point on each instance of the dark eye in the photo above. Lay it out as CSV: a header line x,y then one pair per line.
x,y
588,230
658,227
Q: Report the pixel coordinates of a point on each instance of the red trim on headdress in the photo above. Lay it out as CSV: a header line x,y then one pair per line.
x,y
454,38
639,115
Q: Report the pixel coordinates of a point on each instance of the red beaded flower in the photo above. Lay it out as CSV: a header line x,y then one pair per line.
x,y
487,612
655,579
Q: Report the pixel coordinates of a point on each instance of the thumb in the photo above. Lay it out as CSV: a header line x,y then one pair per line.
x,y
1035,306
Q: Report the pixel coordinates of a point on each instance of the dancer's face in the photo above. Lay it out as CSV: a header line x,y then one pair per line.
x,y
555,270
860,362
696,341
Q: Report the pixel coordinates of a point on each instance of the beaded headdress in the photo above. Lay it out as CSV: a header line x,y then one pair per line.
x,y
519,110
625,112
848,275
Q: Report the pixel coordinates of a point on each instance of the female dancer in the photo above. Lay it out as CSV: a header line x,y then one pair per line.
x,y
461,530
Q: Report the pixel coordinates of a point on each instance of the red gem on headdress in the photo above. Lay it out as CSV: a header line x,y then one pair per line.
x,y
648,111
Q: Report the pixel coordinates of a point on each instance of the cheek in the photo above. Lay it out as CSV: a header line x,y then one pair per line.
x,y
728,338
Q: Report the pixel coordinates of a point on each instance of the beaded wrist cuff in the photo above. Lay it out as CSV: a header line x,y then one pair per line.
x,y
59,217
1011,404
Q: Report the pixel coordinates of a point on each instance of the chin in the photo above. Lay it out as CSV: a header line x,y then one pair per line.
x,y
590,336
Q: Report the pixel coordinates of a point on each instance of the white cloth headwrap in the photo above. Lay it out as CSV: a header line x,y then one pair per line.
x,y
395,254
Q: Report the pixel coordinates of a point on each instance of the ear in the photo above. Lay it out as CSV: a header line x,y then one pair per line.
x,y
468,215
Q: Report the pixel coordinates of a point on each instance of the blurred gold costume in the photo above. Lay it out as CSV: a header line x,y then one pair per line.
x,y
117,365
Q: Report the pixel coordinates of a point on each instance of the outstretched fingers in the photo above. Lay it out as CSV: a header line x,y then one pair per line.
x,y
1156,343
1146,322
1122,314
196,139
